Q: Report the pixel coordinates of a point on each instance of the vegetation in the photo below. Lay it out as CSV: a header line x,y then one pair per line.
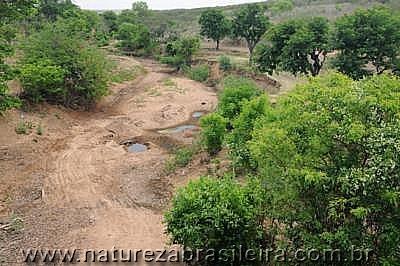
x,y
236,90
250,23
74,74
135,38
213,131
225,63
328,156
214,25
180,52
215,214
199,73
296,46
361,42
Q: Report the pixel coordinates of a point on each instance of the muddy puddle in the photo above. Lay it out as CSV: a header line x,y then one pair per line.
x,y
178,129
198,114
137,147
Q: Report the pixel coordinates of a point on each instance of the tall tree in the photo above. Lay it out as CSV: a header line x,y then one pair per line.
x,y
367,37
250,23
214,25
297,46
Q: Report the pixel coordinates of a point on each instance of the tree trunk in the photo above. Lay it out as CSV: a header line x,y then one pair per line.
x,y
217,45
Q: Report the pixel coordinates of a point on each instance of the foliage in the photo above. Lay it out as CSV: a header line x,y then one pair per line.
x,y
279,6
23,127
361,42
42,80
135,38
250,23
199,73
52,9
213,132
215,214
214,25
225,63
51,55
10,13
241,134
180,52
297,46
328,156
236,90
110,19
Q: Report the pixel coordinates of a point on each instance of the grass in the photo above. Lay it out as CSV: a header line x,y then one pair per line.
x,y
122,75
23,127
169,83
181,158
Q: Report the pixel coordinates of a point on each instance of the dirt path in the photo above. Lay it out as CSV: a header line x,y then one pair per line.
x,y
93,193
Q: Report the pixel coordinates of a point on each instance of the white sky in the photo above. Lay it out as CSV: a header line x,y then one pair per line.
x,y
156,4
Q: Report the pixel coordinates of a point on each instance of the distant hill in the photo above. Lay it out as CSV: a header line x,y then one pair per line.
x,y
186,20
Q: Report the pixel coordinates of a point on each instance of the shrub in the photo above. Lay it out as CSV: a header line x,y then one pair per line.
x,y
235,91
243,125
199,73
213,132
225,63
328,156
183,156
42,81
135,38
215,214
180,52
62,69
7,101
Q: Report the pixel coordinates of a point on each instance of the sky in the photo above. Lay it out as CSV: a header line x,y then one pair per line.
x,y
156,4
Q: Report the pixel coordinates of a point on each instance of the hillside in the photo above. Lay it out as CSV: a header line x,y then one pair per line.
x,y
186,20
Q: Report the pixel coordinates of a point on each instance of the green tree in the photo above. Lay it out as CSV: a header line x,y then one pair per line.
x,y
250,23
110,19
238,140
52,9
236,91
214,25
215,214
213,132
328,157
135,38
367,37
55,54
180,52
297,46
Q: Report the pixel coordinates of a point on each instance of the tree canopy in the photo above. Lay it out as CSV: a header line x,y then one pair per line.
x,y
297,46
214,25
369,36
250,23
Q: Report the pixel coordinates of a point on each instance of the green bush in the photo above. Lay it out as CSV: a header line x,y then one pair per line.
x,y
235,91
7,101
215,214
328,156
180,52
213,131
225,63
135,38
42,81
199,73
243,125
60,68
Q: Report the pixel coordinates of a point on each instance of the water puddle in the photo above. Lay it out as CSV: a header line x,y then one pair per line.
x,y
198,114
178,129
137,147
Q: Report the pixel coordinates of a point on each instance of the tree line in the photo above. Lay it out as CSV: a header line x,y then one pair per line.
x,y
365,42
